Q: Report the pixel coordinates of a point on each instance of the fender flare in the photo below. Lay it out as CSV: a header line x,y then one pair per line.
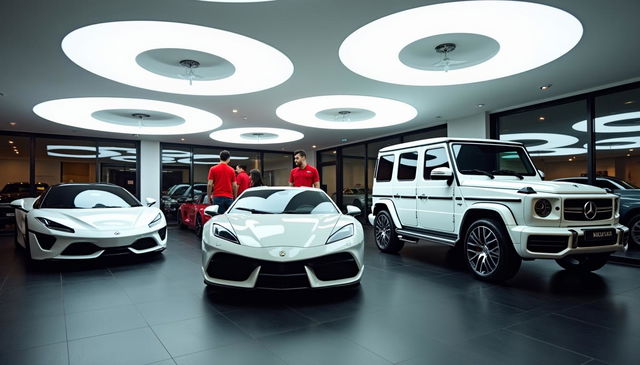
x,y
505,213
392,210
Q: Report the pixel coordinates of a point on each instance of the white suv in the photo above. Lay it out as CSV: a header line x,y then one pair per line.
x,y
486,198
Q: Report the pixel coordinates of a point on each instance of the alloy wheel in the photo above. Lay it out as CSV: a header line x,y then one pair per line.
x,y
383,231
483,250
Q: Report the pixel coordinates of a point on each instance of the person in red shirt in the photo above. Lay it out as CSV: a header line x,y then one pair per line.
x,y
222,182
242,179
304,174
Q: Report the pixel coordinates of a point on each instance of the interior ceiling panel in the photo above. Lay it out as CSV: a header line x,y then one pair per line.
x,y
309,32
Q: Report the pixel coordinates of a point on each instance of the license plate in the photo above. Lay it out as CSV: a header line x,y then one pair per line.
x,y
11,214
598,235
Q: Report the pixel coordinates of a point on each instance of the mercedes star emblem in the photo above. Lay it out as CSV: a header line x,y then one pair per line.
x,y
590,210
282,253
116,233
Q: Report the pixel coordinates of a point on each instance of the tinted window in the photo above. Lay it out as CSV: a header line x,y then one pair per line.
x,y
88,196
605,184
283,201
434,158
408,166
179,190
494,159
15,188
385,168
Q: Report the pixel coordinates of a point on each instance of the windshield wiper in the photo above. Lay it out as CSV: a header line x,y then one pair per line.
x,y
508,172
477,171
254,211
293,212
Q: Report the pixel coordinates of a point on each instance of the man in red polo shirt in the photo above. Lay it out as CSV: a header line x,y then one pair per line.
x,y
304,174
222,180
242,179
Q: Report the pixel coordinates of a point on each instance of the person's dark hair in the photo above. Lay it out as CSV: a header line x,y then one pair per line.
x,y
256,178
225,155
300,152
243,167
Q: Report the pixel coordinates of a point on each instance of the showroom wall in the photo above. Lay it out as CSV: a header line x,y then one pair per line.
x,y
473,126
150,169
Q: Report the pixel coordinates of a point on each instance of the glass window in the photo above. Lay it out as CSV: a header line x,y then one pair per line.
x,y
328,156
479,159
555,145
353,176
277,168
117,164
283,201
602,183
14,180
434,158
175,180
66,161
408,165
328,180
617,127
82,196
385,168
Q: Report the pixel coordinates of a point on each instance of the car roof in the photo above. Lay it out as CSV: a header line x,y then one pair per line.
x,y
428,141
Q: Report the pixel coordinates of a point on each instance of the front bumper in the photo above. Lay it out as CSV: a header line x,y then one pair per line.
x,y
82,246
282,268
558,242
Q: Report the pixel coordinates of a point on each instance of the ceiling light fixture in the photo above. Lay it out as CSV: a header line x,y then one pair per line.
x,y
629,102
545,87
346,112
10,141
103,50
480,105
189,66
541,118
529,35
234,110
446,63
256,135
314,146
13,124
125,115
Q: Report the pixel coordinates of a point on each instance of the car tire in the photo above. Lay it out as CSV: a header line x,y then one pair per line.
x,y
583,263
181,225
634,232
385,233
198,226
489,253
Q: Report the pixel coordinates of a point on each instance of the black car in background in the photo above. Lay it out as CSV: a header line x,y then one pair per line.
x,y
629,202
11,192
179,194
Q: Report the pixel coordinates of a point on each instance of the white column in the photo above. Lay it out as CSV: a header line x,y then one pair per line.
x,y
474,126
150,170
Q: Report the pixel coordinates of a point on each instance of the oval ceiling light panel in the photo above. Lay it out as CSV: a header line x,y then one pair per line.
x,y
552,144
346,112
528,35
615,123
125,115
256,135
177,58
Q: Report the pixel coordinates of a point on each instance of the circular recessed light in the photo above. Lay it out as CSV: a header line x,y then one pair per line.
x,y
529,35
545,87
256,135
124,115
177,58
603,124
346,112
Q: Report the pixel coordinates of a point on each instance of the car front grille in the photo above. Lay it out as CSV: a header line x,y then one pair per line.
x,y
282,275
45,241
144,243
547,243
574,209
80,249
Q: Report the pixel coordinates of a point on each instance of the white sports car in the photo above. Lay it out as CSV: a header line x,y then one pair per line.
x,y
282,238
85,221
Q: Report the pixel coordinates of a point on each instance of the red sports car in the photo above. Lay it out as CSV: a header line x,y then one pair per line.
x,y
191,213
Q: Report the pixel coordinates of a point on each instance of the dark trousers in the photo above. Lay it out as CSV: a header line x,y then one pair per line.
x,y
223,203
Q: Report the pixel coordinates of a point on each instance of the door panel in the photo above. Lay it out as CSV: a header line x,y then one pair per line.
x,y
404,188
435,197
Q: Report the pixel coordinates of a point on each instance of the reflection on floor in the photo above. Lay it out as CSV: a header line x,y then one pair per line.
x,y
415,308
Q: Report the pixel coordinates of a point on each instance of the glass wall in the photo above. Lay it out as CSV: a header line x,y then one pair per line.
x,y
66,161
276,169
117,164
346,173
14,180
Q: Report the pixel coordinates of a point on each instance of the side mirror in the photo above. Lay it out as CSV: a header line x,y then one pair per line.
x,y
442,173
17,204
211,210
353,210
542,175
150,201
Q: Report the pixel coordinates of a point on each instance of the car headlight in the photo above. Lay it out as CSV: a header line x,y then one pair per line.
x,y
342,233
155,220
223,233
55,225
542,208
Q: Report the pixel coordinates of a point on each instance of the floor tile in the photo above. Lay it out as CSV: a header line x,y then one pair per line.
x,y
55,354
259,322
103,321
246,353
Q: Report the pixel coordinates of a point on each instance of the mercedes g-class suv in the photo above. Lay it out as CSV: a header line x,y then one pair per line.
x,y
486,198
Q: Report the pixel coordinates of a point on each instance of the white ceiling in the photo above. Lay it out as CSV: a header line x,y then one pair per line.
x,y
309,32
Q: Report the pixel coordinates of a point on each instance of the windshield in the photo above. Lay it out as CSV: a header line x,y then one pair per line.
x,y
626,185
283,201
88,196
491,160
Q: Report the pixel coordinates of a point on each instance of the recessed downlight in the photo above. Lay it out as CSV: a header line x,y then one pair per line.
x,y
529,35
545,87
162,56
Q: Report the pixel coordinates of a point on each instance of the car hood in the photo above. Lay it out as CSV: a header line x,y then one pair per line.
x,y
278,230
105,219
553,187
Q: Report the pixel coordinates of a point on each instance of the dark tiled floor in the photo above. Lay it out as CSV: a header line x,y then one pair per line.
x,y
418,307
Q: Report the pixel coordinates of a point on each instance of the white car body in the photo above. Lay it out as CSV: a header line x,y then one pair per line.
x,y
282,251
96,231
